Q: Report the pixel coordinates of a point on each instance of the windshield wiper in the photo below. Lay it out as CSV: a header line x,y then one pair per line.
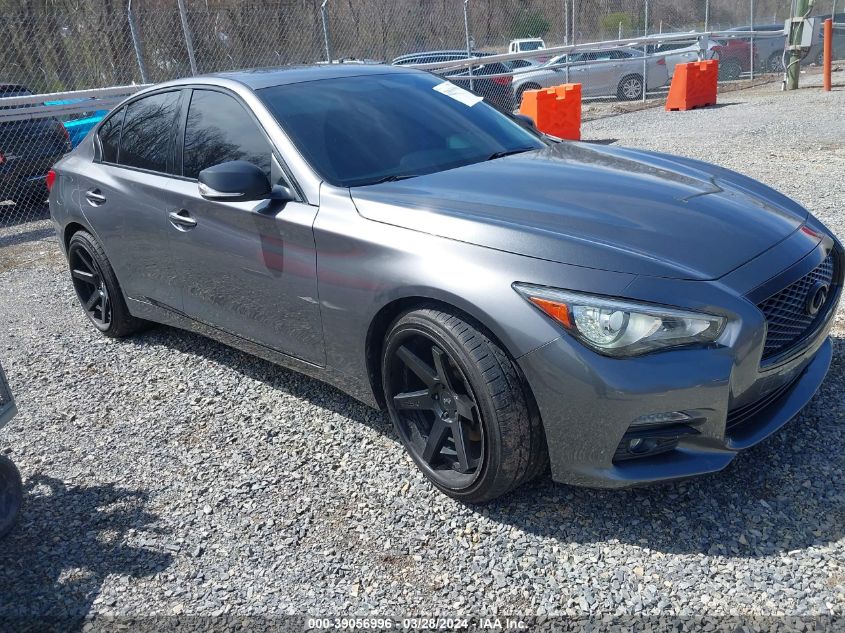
x,y
509,152
392,178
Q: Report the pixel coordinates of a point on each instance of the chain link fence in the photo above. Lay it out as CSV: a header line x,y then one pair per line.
x,y
66,46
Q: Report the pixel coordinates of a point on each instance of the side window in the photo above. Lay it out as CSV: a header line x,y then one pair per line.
x,y
147,138
218,130
109,135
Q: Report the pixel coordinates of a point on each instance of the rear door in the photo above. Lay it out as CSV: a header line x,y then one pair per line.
x,y
123,195
603,70
576,72
247,268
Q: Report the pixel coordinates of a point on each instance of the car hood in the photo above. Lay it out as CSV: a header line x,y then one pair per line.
x,y
595,206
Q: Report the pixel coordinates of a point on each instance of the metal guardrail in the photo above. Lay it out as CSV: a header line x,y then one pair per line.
x,y
703,39
63,103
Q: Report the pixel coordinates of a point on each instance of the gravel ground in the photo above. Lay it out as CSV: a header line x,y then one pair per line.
x,y
168,474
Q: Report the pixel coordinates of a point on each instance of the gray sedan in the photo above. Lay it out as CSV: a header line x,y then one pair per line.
x,y
512,302
616,72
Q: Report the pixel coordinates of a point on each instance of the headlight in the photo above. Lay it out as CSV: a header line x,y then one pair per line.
x,y
622,328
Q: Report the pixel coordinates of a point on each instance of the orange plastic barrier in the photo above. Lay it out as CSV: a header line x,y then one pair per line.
x,y
694,85
556,111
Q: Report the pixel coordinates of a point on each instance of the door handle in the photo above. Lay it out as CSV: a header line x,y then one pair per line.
x,y
95,197
182,219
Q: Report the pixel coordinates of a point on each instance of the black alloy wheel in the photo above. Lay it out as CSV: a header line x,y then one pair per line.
x,y
90,285
460,407
437,412
97,287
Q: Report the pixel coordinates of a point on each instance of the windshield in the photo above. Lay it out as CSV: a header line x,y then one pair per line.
x,y
362,130
530,46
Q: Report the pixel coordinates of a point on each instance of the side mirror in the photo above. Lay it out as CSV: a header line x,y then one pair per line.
x,y
234,181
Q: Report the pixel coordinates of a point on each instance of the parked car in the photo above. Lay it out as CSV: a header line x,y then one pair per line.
x,y
529,45
526,45
496,90
735,58
511,301
617,72
816,53
680,52
77,128
767,50
28,148
734,55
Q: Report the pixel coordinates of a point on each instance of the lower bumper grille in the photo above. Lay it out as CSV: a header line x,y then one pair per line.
x,y
739,416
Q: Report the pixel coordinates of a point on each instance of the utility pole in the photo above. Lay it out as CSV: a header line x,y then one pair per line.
x,y
793,67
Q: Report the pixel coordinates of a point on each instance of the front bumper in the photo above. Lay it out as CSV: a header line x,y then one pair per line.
x,y
588,402
585,425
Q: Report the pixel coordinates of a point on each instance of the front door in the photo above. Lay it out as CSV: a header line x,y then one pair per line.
x,y
247,268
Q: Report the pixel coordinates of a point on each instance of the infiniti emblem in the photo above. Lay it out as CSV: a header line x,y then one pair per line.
x,y
816,298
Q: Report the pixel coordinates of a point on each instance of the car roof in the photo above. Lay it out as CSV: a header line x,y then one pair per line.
x,y
4,88
258,78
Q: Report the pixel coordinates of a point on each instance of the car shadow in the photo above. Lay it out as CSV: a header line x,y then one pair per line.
x,y
782,495
26,236
67,540
12,214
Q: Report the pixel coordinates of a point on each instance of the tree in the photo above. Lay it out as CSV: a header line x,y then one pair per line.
x,y
529,24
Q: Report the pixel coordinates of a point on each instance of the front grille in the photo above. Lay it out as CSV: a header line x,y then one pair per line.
x,y
740,415
786,312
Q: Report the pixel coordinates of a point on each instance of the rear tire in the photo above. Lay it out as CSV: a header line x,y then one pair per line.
x,y
460,407
97,288
729,70
775,63
11,495
630,88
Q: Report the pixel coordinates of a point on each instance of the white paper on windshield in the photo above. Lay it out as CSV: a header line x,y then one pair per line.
x,y
458,94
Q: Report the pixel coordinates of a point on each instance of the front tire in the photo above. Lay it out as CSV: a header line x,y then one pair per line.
x,y
460,407
97,287
11,495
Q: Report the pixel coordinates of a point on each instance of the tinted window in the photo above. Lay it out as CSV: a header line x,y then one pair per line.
x,y
530,46
109,135
359,130
219,129
147,141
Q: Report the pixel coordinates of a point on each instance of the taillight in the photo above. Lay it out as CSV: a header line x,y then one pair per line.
x,y
502,81
661,61
50,180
